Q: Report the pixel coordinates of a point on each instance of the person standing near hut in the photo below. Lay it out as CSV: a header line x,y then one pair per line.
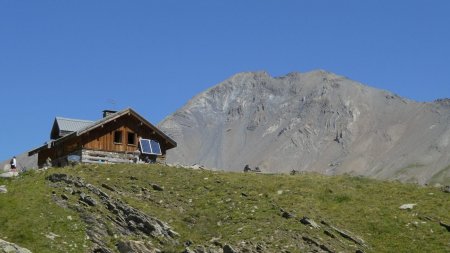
x,y
13,164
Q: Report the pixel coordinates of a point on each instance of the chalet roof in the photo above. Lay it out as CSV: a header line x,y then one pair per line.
x,y
114,116
72,125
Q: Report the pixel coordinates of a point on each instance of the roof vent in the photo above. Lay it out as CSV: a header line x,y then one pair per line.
x,y
106,113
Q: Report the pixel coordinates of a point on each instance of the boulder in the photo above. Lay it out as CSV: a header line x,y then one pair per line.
x,y
188,250
9,174
285,214
57,177
447,226
6,168
8,247
157,187
88,199
346,234
407,206
108,187
3,189
446,189
228,249
310,222
136,246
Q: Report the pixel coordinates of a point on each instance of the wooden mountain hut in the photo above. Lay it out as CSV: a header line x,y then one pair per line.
x,y
119,137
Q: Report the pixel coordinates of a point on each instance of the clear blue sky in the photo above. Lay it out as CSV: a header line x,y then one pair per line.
x,y
76,58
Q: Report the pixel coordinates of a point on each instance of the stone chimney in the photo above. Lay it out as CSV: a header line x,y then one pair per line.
x,y
106,113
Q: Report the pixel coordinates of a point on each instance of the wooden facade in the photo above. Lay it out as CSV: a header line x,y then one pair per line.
x,y
114,138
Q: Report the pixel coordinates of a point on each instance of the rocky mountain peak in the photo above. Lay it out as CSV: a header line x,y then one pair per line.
x,y
315,121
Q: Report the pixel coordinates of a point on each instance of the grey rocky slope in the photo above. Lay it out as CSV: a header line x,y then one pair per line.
x,y
315,121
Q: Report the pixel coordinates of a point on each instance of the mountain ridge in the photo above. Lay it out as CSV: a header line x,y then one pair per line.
x,y
314,121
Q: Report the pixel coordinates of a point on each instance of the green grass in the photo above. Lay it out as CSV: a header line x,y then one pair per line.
x,y
28,214
201,205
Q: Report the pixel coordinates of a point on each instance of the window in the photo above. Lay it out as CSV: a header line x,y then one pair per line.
x,y
131,138
118,137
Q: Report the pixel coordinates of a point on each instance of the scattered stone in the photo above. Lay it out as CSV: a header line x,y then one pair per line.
x,y
136,246
133,178
57,178
216,241
197,167
157,187
9,174
329,234
69,190
51,236
100,249
88,199
260,247
446,189
8,247
3,189
285,214
201,249
307,221
108,187
79,183
188,250
407,206
243,194
172,233
346,235
228,249
447,226
187,243
97,191
310,241
325,248
64,196
317,244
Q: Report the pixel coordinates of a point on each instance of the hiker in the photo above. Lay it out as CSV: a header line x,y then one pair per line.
x,y
13,164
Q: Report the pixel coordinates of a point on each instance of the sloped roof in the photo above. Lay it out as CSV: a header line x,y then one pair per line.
x,y
72,125
112,117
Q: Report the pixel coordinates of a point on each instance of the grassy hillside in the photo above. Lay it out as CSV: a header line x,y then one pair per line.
x,y
211,209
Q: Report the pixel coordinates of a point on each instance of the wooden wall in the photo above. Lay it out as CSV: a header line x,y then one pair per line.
x,y
102,138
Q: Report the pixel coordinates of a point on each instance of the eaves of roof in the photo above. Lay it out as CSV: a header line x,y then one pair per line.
x,y
110,118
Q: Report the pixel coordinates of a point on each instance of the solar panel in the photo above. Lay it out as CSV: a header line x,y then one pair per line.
x,y
150,147
145,146
156,149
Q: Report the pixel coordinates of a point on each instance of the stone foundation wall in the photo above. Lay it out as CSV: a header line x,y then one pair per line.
x,y
95,156
105,157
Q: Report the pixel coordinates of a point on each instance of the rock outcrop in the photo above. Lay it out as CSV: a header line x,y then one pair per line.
x,y
315,121
116,216
7,247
